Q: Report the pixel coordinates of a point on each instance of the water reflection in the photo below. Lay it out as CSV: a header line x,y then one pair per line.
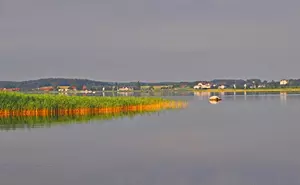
x,y
203,95
200,94
235,143
214,102
22,122
283,97
126,93
150,93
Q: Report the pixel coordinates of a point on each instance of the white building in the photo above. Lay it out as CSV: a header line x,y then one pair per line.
x,y
222,87
284,82
262,86
125,89
205,85
197,87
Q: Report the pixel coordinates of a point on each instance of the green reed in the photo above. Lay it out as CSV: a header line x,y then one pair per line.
x,y
19,101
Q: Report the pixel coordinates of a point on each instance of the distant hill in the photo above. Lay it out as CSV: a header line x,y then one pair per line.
x,y
31,84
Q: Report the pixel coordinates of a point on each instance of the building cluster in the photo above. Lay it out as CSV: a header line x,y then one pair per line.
x,y
64,88
121,88
244,84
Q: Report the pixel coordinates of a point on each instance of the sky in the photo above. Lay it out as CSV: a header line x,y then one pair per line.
x,y
149,40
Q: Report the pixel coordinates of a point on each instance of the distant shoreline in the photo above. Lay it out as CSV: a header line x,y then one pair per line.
x,y
181,90
232,90
250,90
229,90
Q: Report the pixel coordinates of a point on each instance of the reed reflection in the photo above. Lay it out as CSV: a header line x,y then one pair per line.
x,y
31,122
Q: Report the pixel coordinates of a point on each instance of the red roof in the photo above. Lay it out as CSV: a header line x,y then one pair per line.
x,y
10,89
46,88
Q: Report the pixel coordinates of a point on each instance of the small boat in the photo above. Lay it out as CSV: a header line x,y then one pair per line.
x,y
214,98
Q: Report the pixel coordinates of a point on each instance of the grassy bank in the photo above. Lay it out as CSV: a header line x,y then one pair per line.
x,y
44,104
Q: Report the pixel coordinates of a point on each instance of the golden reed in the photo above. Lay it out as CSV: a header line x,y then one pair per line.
x,y
92,111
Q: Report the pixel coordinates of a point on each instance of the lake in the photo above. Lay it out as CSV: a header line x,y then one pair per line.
x,y
246,139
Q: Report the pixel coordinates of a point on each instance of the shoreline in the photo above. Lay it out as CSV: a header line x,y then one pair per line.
x,y
248,90
176,90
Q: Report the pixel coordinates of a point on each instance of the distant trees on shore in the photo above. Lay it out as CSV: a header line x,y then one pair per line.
x,y
99,85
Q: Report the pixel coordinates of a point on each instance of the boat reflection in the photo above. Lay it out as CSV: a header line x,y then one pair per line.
x,y
214,102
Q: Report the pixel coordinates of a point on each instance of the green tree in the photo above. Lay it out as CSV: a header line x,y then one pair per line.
x,y
116,87
138,85
10,85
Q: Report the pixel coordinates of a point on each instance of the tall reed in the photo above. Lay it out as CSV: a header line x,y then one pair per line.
x,y
14,103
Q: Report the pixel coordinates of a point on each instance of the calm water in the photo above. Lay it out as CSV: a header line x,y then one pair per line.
x,y
244,140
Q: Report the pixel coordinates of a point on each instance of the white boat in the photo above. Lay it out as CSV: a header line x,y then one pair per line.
x,y
215,98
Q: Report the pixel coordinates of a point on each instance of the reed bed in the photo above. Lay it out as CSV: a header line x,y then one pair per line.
x,y
19,104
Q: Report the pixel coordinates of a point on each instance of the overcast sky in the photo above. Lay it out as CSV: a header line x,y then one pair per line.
x,y
149,40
